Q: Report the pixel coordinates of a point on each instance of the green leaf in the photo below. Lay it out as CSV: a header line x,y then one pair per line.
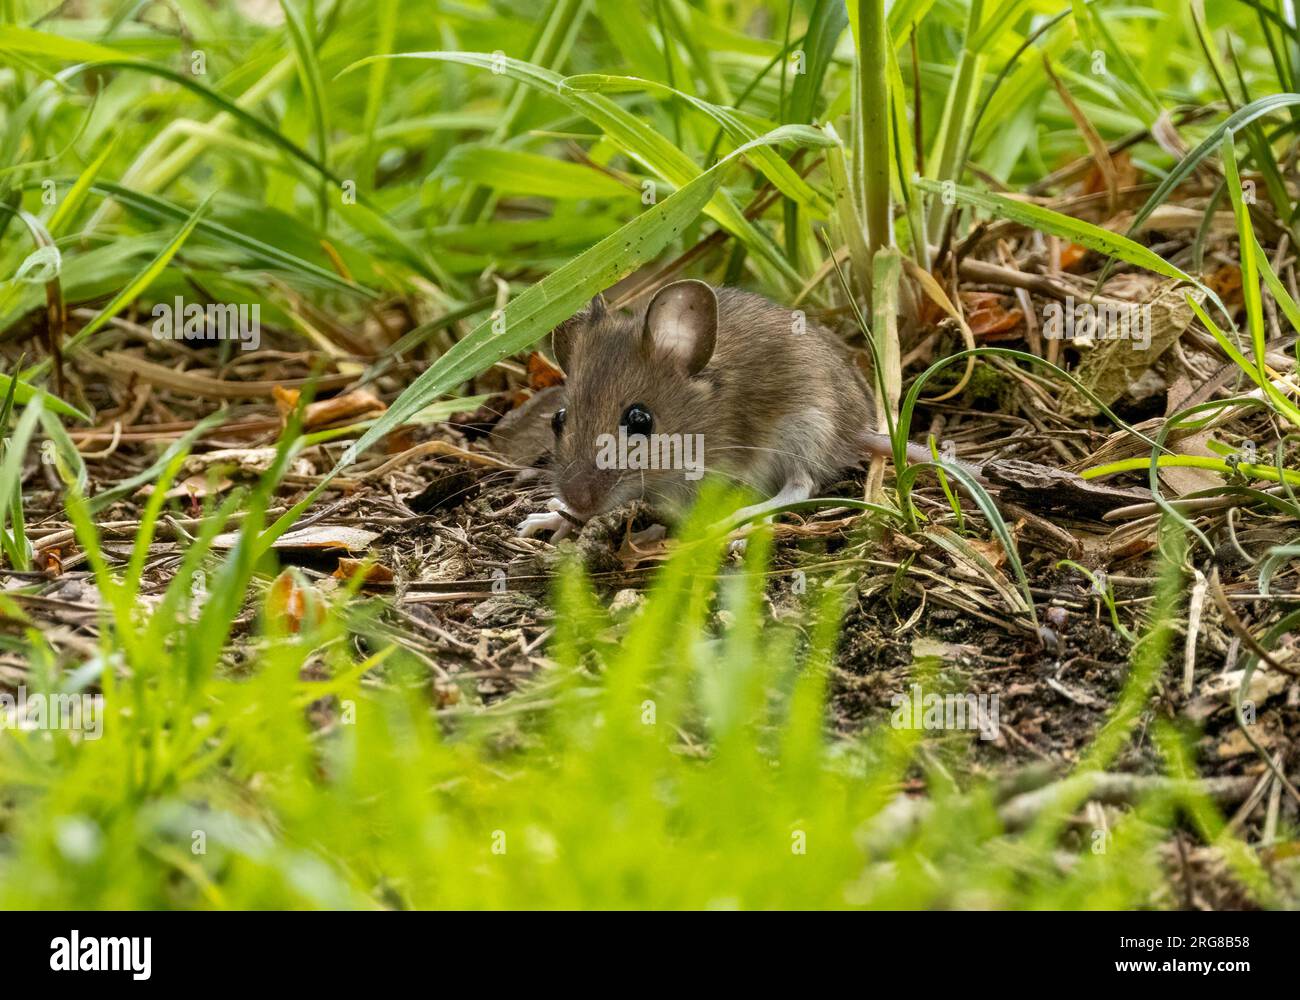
x,y
67,208
27,42
264,129
1239,119
826,24
180,446
783,177
11,475
140,283
635,136
25,392
1044,219
517,172
153,207
42,265
1280,402
68,462
387,32
304,47
1252,300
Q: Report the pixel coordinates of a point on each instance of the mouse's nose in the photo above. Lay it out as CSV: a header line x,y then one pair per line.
x,y
583,494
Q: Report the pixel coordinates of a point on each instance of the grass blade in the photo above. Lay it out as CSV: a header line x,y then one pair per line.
x,y
636,137
1084,233
304,46
140,284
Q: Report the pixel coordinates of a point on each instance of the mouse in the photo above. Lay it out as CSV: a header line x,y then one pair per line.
x,y
702,379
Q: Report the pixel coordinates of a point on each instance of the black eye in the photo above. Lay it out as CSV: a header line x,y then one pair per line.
x,y
637,419
557,421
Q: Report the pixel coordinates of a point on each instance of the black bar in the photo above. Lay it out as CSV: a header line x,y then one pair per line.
x,y
333,950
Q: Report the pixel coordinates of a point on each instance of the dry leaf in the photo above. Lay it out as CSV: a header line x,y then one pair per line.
x,y
1126,174
987,313
1071,255
285,399
347,408
1220,689
991,549
541,373
322,537
650,548
1129,335
374,572
251,460
447,694
1176,478
289,601
194,487
1235,743
1226,282
950,652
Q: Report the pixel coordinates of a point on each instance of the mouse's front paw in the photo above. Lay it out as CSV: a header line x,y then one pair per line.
x,y
535,524
554,522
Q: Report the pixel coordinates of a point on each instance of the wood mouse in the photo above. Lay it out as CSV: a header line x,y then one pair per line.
x,y
700,379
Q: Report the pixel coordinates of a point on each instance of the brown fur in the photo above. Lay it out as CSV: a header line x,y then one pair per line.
x,y
771,404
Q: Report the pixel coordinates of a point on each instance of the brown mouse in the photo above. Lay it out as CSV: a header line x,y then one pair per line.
x,y
700,379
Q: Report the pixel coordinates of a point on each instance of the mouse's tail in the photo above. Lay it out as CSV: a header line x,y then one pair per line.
x,y
876,444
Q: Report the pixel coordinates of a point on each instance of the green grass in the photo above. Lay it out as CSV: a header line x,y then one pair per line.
x,y
361,154
658,764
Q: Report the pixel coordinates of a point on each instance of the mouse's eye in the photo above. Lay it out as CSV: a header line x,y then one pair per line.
x,y
637,419
557,421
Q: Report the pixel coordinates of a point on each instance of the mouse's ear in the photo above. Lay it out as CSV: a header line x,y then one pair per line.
x,y
682,324
564,335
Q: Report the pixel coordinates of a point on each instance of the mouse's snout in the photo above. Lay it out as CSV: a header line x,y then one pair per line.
x,y
585,491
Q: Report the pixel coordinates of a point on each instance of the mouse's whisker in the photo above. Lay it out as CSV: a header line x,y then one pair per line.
x,y
494,411
492,479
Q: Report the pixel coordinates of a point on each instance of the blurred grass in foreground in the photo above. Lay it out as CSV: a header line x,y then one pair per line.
x,y
666,761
